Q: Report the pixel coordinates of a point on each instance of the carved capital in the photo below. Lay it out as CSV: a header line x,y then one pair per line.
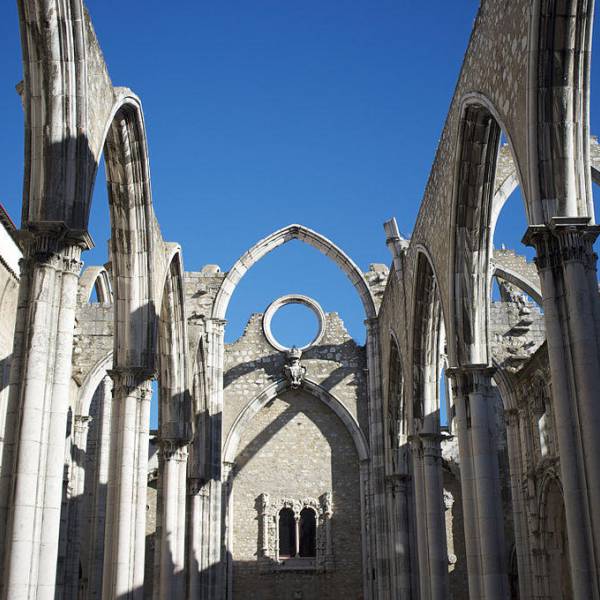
x,y
173,450
53,245
470,379
132,380
81,423
564,240
198,487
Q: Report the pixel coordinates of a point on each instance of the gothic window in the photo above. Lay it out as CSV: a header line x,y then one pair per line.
x,y
295,533
308,533
395,404
287,533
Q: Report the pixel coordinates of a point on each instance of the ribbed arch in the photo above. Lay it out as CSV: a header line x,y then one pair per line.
x,y
254,406
278,238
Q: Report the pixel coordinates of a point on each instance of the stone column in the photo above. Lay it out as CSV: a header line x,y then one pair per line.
x,y
198,491
75,501
99,486
214,574
437,548
474,400
430,516
173,465
522,545
123,577
399,534
380,533
467,485
33,458
567,267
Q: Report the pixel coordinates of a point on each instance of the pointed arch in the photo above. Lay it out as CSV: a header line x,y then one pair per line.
x,y
428,338
91,382
95,278
314,389
473,215
395,401
280,237
175,410
132,233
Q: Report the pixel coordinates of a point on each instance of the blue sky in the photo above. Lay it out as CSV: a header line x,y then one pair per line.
x,y
265,113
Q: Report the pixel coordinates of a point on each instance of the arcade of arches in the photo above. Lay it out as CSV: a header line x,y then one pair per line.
x,y
455,454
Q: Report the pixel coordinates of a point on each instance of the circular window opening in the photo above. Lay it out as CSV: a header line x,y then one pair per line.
x,y
294,325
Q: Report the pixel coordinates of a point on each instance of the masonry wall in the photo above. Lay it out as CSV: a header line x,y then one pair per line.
x,y
296,447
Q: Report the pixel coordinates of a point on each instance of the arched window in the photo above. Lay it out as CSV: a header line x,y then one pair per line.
x,y
396,421
287,533
308,533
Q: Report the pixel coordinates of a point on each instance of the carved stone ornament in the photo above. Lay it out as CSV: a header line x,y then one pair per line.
x,y
268,515
294,372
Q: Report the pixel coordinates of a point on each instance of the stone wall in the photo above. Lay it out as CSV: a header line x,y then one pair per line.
x,y
296,448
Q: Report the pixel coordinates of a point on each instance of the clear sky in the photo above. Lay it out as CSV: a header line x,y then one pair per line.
x,y
265,113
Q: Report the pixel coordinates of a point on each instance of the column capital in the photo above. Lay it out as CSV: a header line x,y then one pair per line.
x,y
563,240
428,443
198,487
53,244
81,423
173,450
468,379
130,379
218,324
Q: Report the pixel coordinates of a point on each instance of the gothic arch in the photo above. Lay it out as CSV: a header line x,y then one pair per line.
x,y
428,339
91,382
59,168
556,572
529,287
561,42
396,430
254,406
470,234
175,410
511,180
95,278
132,235
280,237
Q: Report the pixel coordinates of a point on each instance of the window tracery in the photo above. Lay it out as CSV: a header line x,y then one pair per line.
x,y
296,533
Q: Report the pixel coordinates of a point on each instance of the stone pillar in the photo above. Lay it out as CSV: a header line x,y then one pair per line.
x,y
123,577
522,545
99,488
430,516
474,400
567,267
214,574
467,485
399,534
75,500
380,533
33,461
173,466
198,507
435,515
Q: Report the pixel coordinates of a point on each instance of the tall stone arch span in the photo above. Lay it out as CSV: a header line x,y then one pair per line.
x,y
280,237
